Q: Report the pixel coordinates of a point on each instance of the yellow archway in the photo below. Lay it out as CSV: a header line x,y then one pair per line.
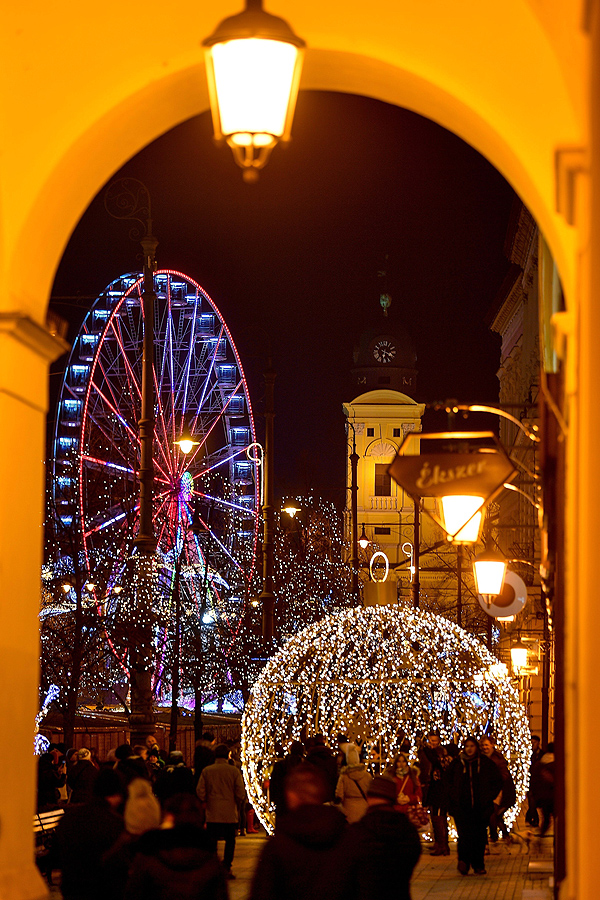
x,y
82,91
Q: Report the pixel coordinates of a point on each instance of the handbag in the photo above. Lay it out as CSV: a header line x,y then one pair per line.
x,y
419,816
402,799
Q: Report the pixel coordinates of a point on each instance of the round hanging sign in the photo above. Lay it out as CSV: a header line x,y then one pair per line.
x,y
511,599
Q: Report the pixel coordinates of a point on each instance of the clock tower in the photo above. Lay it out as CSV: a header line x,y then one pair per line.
x,y
385,357
382,413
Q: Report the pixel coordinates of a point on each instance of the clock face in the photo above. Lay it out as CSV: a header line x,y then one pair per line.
x,y
384,351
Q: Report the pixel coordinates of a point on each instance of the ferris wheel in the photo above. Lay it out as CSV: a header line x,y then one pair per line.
x,y
199,385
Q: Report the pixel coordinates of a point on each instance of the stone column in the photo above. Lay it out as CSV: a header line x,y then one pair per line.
x,y
26,350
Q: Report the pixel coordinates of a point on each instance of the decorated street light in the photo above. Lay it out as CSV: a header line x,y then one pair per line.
x,y
253,64
463,473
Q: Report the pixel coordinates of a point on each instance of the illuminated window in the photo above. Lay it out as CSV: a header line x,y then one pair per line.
x,y
383,481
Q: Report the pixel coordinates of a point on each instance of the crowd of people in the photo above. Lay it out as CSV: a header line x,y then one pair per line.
x,y
140,826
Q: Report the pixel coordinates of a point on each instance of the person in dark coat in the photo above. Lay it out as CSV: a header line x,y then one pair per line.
x,y
281,770
85,833
175,862
376,856
82,777
473,783
508,794
323,758
542,786
204,755
51,779
175,778
434,759
294,863
531,817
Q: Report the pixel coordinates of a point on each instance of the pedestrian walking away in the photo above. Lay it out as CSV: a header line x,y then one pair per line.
x,y
294,863
221,789
376,856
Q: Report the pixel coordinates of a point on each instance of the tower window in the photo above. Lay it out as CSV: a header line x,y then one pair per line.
x,y
370,432
383,481
397,432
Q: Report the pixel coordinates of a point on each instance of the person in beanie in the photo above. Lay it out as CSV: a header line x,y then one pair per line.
x,y
376,857
175,861
82,777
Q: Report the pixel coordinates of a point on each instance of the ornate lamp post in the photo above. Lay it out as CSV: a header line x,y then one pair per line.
x,y
129,199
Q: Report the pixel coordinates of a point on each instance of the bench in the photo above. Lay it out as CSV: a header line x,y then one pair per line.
x,y
44,826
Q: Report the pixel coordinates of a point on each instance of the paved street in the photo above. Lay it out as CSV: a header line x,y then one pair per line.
x,y
436,877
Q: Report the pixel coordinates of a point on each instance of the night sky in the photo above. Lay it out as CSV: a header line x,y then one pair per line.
x,y
294,259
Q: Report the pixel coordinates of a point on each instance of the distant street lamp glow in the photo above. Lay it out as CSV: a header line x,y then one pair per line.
x,y
253,65
518,655
186,442
291,509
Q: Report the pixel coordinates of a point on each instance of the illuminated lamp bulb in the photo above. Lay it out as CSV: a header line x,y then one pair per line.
x,y
460,517
253,64
363,539
518,655
291,509
255,602
90,586
66,586
117,588
489,569
186,442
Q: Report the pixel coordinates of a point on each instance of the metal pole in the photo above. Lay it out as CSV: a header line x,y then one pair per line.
x,y
176,655
129,199
354,499
459,556
267,596
415,588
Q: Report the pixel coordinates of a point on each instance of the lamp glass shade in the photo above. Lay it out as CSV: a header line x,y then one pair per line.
x,y
461,518
518,655
255,85
186,446
489,571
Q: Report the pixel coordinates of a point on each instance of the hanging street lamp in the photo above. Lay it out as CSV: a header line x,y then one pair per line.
x,y
489,569
253,65
363,540
518,655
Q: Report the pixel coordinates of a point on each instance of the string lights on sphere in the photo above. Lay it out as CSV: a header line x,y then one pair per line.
x,y
381,674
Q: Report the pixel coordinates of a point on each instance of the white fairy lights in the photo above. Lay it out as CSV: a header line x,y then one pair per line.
x,y
381,672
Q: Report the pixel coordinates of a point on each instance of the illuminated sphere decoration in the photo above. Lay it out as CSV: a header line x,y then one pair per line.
x,y
377,674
